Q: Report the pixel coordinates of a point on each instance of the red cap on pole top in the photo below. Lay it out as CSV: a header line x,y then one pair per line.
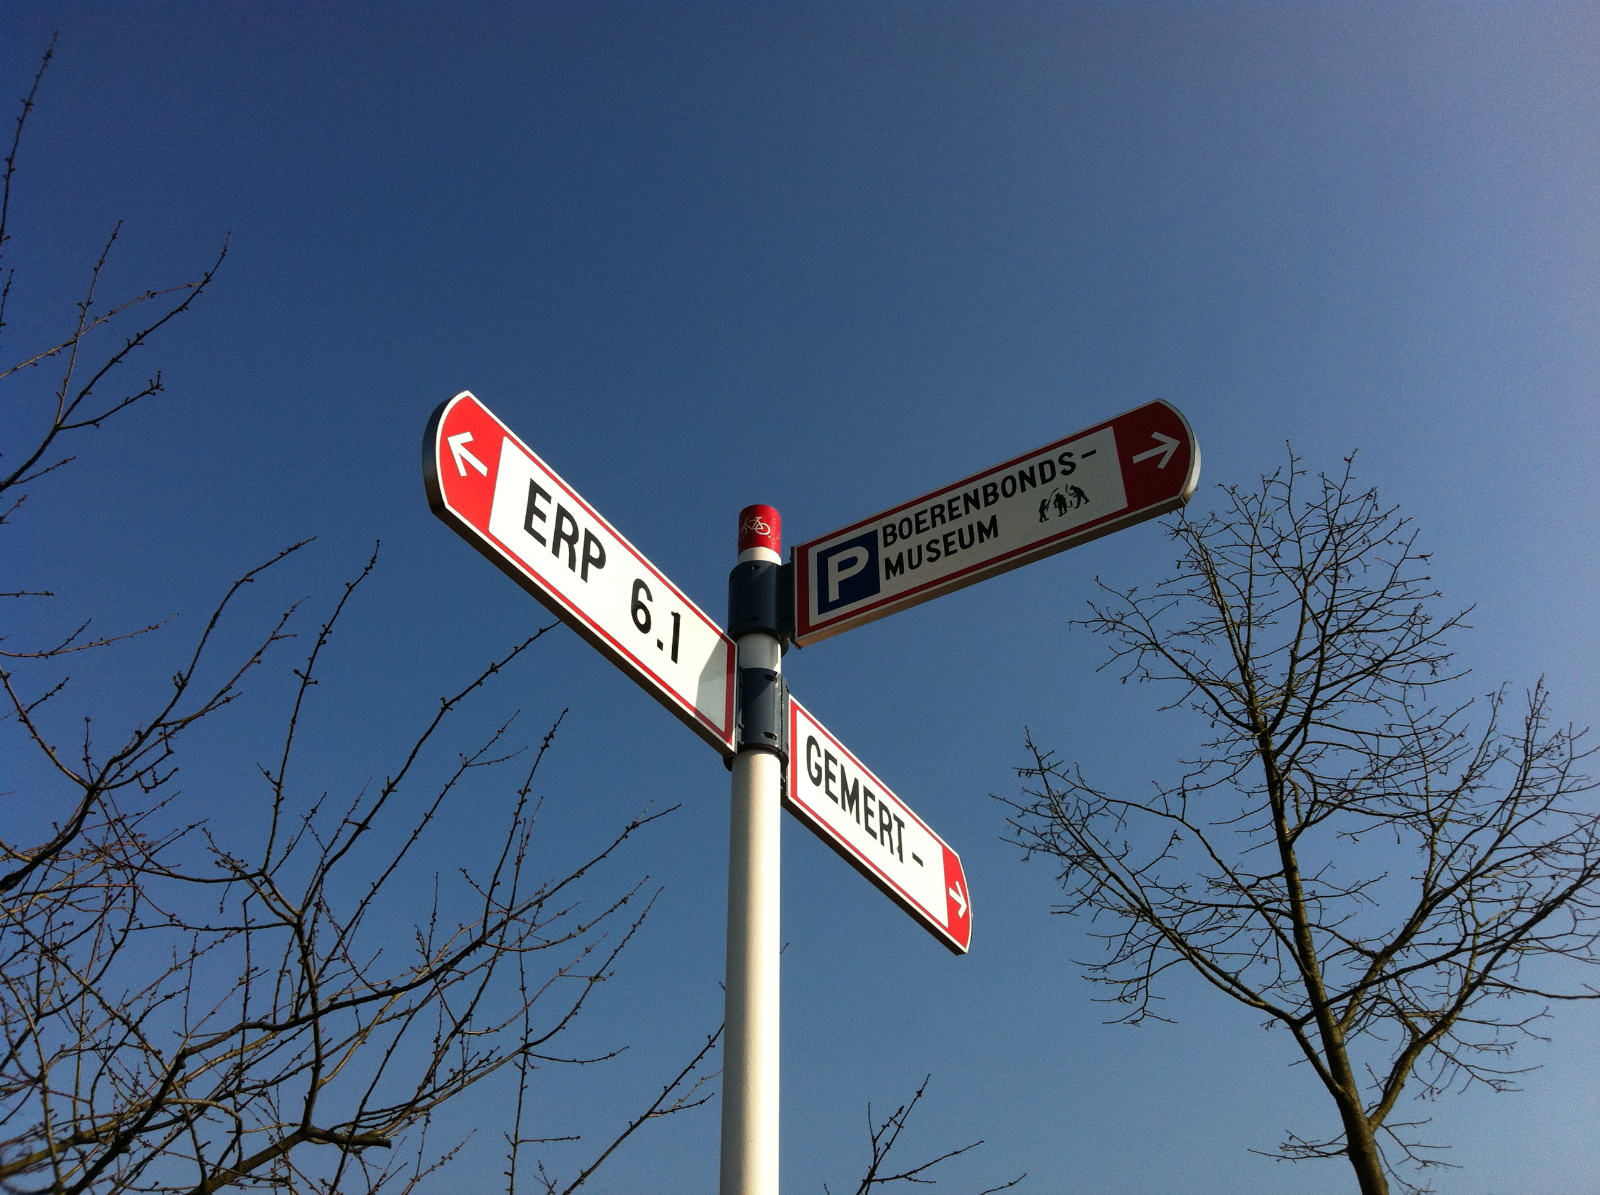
x,y
759,527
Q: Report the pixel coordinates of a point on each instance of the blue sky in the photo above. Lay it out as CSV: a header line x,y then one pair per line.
x,y
830,256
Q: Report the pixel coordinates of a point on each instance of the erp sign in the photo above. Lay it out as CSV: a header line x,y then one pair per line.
x,y
848,572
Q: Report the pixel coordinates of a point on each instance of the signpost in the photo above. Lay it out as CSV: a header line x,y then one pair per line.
x,y
1136,466
851,810
751,1003
496,493
506,502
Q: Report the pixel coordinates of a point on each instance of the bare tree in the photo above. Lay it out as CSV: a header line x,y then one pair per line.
x,y
1346,857
180,1015
286,997
882,1138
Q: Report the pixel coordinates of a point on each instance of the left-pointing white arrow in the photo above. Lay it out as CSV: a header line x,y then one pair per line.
x,y
1164,450
458,449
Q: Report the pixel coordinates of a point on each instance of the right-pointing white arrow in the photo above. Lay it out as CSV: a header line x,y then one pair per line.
x,y
458,449
960,899
1164,450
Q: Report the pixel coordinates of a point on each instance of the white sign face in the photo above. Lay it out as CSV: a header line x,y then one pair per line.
x,y
499,496
1138,465
850,809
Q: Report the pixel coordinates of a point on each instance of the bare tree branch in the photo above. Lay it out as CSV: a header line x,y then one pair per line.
x,y
882,1139
686,1098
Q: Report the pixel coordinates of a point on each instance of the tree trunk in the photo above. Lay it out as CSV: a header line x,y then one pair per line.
x,y
1361,1147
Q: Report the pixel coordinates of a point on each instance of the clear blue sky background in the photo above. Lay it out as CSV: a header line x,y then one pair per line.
x,y
827,256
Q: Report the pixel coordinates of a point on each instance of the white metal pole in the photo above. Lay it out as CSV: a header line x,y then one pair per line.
x,y
750,1041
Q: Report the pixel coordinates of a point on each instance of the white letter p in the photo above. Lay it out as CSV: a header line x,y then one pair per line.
x,y
844,566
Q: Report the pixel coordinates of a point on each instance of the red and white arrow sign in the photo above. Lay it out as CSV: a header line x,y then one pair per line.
x,y
850,809
1134,467
506,502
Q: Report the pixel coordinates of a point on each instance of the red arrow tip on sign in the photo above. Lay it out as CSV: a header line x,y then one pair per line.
x,y
958,901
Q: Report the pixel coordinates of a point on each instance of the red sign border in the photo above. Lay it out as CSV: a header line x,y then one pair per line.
x,y
845,851
531,582
807,633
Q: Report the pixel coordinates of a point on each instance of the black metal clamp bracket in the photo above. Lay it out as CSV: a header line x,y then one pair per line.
x,y
761,598
761,602
763,718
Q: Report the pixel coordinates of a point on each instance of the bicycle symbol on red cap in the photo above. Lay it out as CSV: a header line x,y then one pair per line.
x,y
756,525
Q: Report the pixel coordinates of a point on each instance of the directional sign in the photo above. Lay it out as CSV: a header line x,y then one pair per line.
x,y
506,502
1141,464
851,810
